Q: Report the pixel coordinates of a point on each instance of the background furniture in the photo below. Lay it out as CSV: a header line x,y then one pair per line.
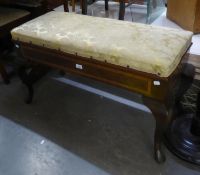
x,y
51,4
9,18
153,7
16,12
185,13
35,7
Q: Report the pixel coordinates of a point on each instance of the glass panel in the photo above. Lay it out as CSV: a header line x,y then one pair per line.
x,y
146,11
154,9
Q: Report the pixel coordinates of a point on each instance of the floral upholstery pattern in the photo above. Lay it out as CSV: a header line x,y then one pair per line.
x,y
151,49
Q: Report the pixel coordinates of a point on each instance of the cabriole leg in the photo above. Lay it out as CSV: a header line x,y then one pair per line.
x,y
163,118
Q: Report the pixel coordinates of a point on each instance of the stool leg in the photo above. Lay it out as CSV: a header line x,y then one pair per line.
x,y
166,110
29,79
4,74
163,119
121,9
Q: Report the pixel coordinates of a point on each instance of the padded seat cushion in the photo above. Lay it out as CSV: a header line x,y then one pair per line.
x,y
8,15
146,48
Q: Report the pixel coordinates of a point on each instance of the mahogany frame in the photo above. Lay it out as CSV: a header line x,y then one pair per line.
x,y
158,93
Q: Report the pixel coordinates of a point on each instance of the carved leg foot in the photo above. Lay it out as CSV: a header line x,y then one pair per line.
x,y
30,78
158,138
162,117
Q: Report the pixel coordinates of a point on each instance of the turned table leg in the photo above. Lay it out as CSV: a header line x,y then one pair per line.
x,y
4,74
158,141
121,9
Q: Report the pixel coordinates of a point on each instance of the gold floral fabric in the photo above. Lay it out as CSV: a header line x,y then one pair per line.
x,y
142,47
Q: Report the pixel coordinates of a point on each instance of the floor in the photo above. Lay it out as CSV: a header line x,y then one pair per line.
x,y
76,126
71,131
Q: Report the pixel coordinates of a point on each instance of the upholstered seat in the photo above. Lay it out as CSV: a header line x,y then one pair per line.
x,y
146,48
8,15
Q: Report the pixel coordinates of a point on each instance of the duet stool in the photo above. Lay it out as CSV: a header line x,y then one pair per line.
x,y
142,58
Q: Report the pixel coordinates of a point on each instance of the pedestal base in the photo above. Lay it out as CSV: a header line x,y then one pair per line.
x,y
182,142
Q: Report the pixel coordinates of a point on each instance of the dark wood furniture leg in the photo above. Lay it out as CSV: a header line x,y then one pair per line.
x,y
106,5
4,74
30,77
84,7
121,9
165,112
73,5
65,4
162,116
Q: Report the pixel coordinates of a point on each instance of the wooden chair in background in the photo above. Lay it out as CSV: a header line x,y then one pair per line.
x,y
83,5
